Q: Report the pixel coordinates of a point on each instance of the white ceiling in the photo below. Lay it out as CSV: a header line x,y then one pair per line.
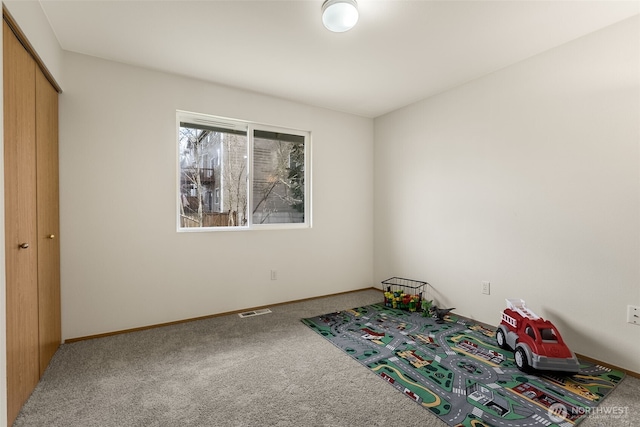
x,y
400,51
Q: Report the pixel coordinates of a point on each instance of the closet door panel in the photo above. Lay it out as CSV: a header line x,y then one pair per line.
x,y
48,219
21,246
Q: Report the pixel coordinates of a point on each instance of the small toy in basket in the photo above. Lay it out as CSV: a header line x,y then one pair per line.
x,y
405,294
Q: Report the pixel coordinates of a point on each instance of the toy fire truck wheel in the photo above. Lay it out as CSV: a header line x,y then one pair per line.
x,y
502,342
521,359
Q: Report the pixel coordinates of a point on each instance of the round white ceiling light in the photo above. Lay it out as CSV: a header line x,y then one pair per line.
x,y
339,15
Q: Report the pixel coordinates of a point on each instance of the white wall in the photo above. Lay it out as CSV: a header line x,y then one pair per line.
x,y
527,178
123,263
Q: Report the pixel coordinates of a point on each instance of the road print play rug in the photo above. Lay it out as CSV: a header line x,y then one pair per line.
x,y
457,371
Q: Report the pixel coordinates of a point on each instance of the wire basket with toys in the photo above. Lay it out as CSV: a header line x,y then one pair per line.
x,y
405,294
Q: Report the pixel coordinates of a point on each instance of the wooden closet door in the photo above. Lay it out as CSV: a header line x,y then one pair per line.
x,y
21,247
48,219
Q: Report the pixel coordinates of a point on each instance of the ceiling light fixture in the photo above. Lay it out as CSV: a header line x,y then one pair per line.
x,y
339,15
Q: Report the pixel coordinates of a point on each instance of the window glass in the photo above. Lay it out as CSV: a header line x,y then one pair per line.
x,y
200,178
236,174
278,178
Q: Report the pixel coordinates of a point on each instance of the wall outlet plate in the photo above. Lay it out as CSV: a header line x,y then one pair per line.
x,y
633,315
486,287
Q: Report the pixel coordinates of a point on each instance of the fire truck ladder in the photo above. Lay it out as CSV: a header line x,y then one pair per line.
x,y
518,306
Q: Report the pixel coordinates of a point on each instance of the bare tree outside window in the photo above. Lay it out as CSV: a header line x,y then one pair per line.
x,y
234,176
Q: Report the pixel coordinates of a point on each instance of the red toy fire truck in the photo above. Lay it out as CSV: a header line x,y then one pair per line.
x,y
536,342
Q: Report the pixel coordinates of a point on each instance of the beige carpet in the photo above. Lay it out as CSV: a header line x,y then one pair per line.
x,y
268,370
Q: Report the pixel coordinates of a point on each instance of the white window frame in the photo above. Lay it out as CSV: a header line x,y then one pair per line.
x,y
249,127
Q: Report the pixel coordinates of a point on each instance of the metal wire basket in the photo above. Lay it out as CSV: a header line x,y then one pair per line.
x,y
405,294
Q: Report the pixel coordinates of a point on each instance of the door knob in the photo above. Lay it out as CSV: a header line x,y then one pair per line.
x,y
24,245
51,236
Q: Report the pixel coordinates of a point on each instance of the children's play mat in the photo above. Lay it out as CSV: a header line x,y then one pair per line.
x,y
456,370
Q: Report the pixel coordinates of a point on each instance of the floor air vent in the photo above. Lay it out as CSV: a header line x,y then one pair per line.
x,y
254,313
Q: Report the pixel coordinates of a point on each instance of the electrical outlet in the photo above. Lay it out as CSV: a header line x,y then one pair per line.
x,y
486,288
274,275
633,315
